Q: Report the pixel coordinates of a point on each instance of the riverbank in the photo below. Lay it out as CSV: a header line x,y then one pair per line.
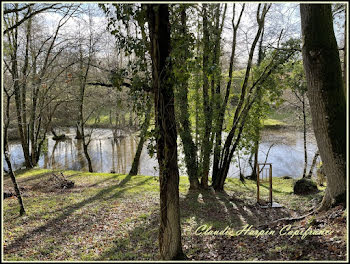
x,y
269,123
115,217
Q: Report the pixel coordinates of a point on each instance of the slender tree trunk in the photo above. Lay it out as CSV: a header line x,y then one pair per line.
x,y
326,96
110,118
82,86
258,127
53,133
222,105
189,146
256,159
216,102
314,160
240,112
170,230
22,130
87,156
15,185
7,156
304,136
135,164
197,98
130,120
206,147
78,133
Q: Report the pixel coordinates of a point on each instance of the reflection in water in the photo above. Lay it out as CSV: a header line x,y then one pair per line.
x,y
109,155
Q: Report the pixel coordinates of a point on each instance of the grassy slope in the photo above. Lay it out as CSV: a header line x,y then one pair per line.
x,y
115,217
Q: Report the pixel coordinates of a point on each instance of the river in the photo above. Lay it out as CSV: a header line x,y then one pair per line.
x,y
107,155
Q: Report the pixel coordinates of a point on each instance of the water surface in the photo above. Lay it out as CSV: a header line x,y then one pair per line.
x,y
109,155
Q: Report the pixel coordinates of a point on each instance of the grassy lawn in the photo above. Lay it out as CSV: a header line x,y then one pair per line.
x,y
273,123
103,121
115,217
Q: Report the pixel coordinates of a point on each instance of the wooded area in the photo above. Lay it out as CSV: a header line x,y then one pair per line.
x,y
178,131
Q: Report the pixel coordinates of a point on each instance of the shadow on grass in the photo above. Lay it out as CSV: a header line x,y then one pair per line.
x,y
221,209
140,243
59,227
209,208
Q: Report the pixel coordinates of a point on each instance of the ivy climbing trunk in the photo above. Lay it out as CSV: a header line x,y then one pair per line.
x,y
169,231
326,96
190,149
207,110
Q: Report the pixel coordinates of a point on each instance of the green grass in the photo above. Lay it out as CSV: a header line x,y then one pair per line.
x,y
116,217
104,120
271,123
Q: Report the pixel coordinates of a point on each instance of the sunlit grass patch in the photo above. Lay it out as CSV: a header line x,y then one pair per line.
x,y
271,123
116,217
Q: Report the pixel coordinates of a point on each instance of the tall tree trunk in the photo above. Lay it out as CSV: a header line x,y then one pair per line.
x,y
197,97
326,96
190,149
22,130
82,85
170,230
135,164
207,110
258,127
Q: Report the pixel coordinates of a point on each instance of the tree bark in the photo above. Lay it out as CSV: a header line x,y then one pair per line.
x,y
190,149
87,156
257,127
170,230
326,96
313,164
207,110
